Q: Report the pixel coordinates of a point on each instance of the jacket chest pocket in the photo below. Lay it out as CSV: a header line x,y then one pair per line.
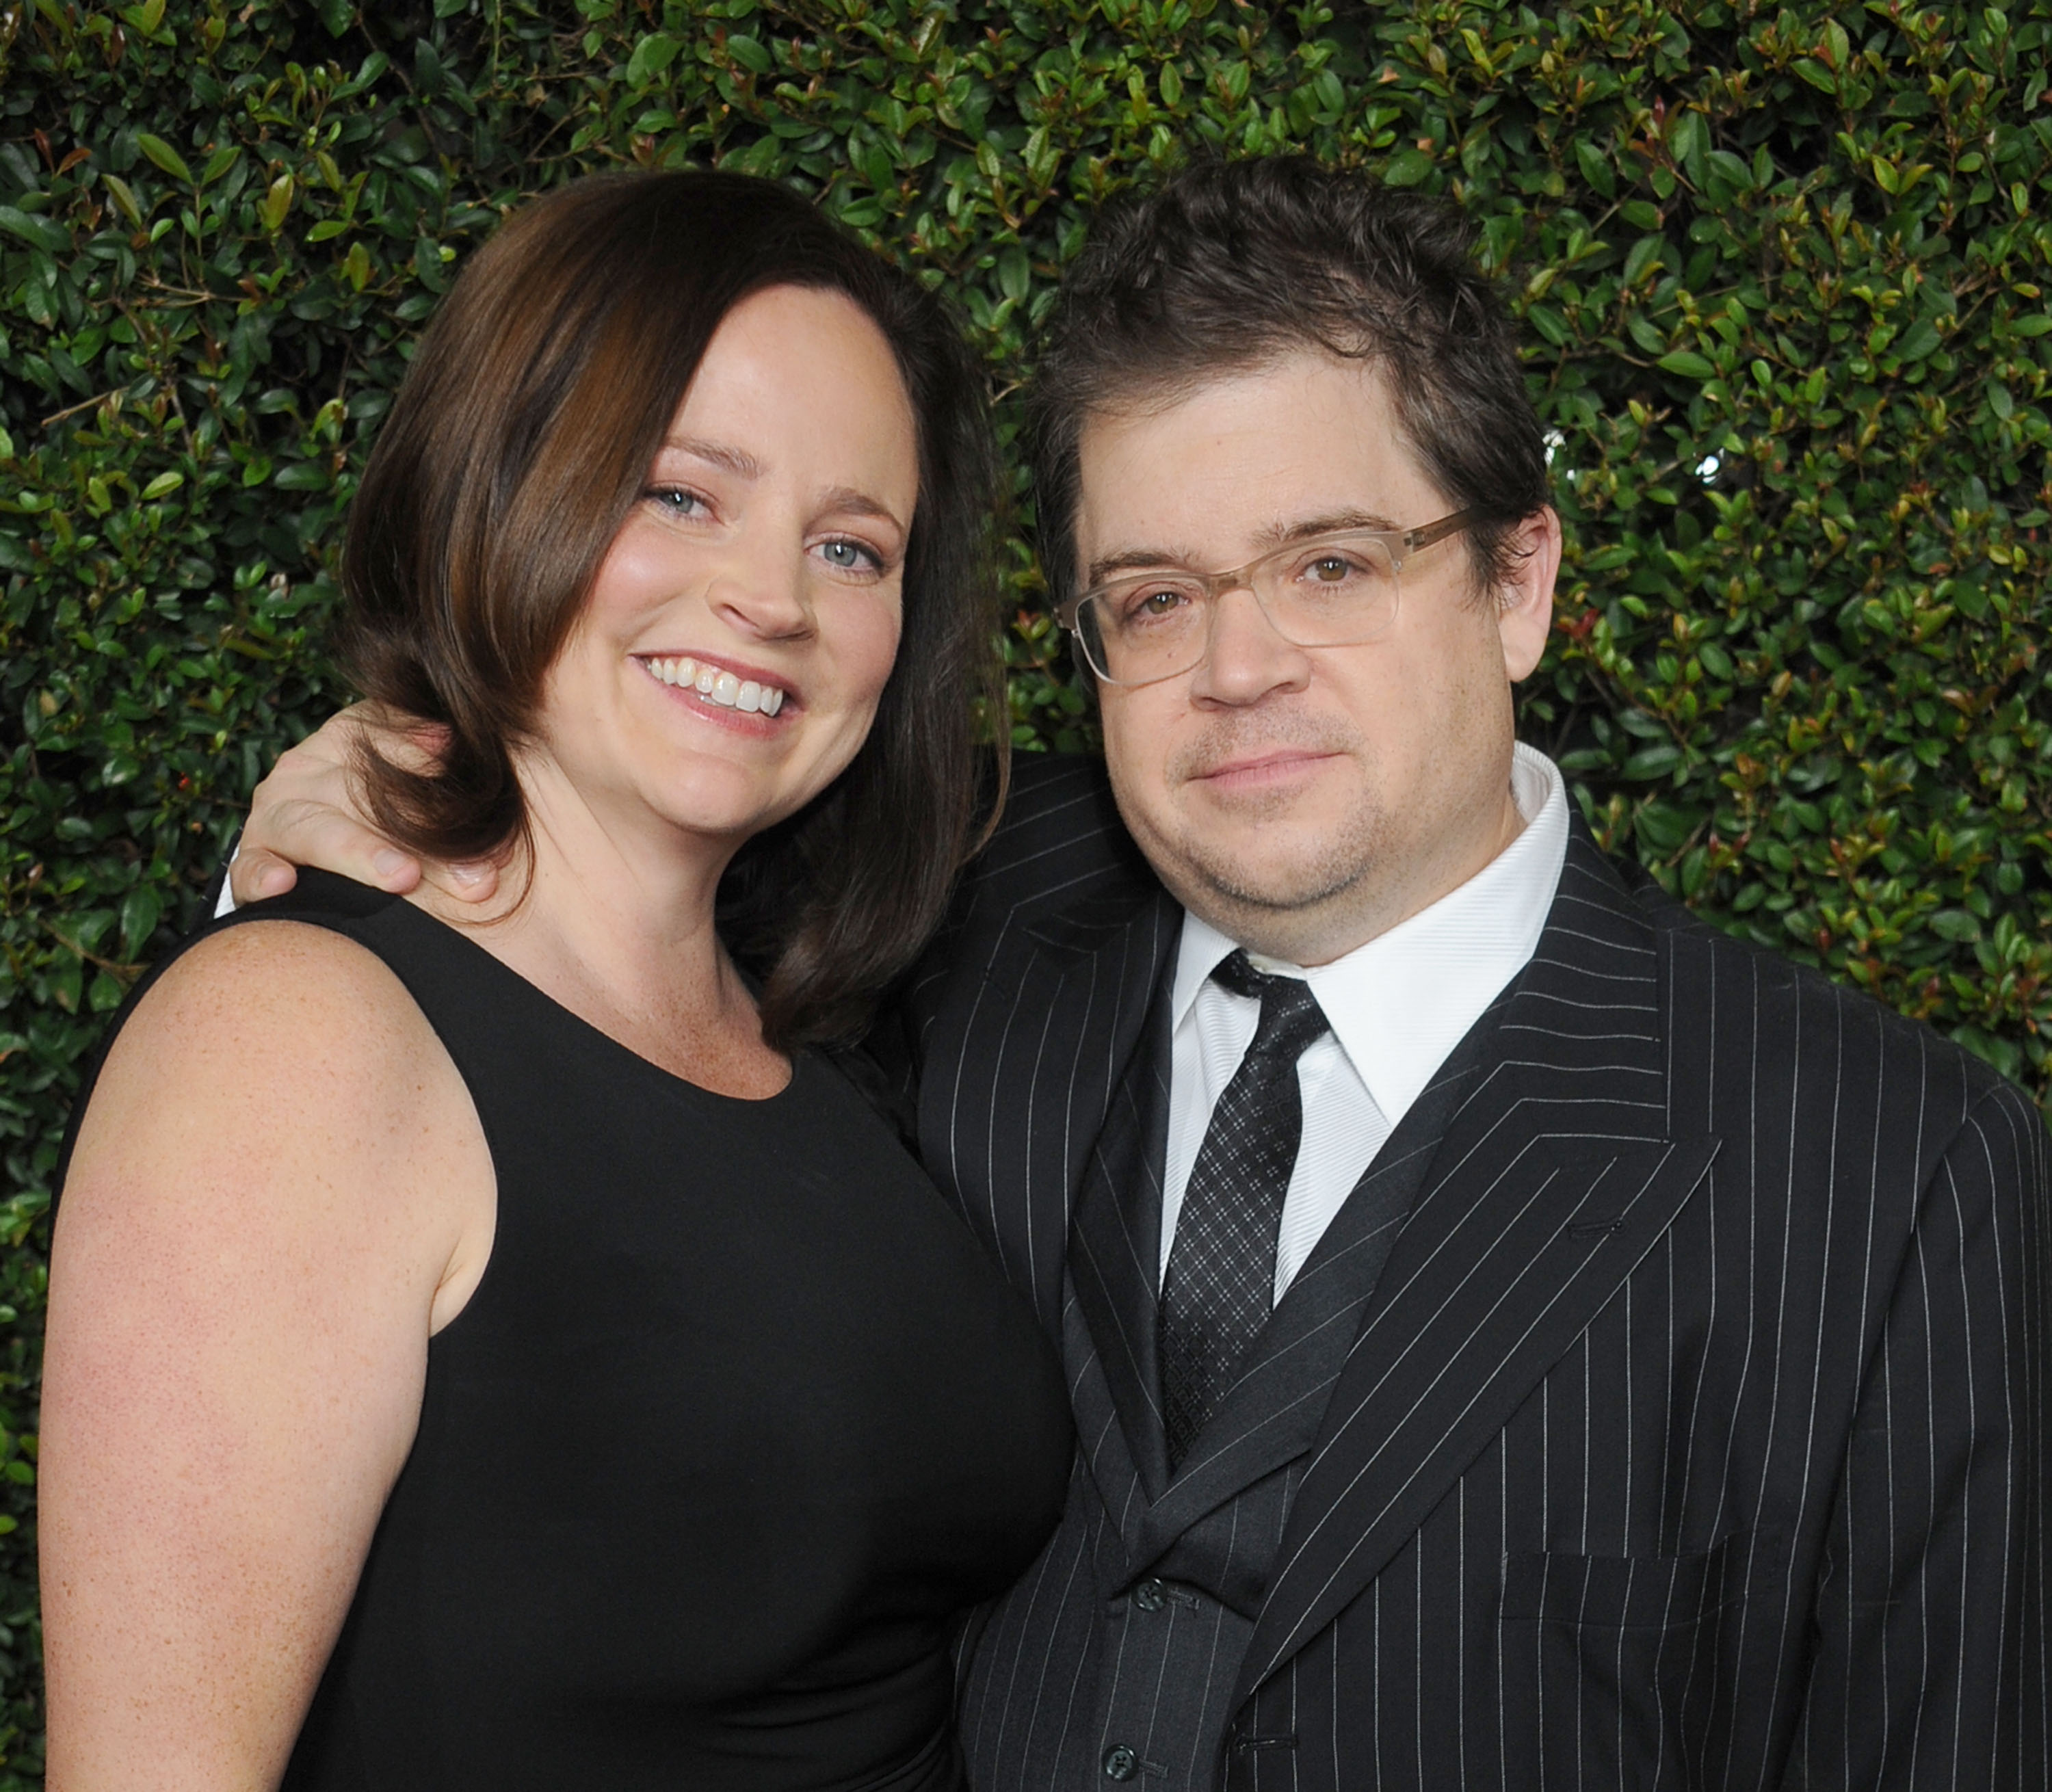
x,y
1614,1664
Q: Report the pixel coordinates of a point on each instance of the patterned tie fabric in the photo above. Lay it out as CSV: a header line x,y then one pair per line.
x,y
1221,1278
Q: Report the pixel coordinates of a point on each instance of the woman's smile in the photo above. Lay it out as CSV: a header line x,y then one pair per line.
x,y
717,684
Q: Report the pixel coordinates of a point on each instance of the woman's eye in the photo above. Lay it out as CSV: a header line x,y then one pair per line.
x,y
849,557
675,499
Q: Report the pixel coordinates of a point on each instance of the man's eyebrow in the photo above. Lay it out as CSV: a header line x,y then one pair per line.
x,y
1276,535
1137,559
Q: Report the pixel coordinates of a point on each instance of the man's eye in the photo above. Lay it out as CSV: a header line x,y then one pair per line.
x,y
1330,569
1152,602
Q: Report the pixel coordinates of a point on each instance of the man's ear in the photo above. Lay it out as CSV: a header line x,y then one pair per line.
x,y
1524,600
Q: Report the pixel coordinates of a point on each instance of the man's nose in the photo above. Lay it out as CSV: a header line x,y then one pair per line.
x,y
1246,659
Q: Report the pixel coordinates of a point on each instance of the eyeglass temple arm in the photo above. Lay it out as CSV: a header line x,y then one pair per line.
x,y
1417,539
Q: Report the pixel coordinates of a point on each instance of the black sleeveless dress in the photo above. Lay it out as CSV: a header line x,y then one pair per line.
x,y
738,1421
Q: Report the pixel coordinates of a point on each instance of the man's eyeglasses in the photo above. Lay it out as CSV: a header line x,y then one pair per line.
x,y
1336,590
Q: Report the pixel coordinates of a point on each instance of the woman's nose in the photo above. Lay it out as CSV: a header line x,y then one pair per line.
x,y
765,594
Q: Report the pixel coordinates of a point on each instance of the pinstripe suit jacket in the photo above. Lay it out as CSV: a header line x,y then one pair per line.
x,y
1692,1435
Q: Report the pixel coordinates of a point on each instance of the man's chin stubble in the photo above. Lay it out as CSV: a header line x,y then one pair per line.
x,y
1286,909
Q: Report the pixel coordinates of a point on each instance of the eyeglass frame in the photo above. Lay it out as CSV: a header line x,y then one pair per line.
x,y
1400,545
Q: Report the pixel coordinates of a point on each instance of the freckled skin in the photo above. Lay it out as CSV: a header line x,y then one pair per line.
x,y
1305,800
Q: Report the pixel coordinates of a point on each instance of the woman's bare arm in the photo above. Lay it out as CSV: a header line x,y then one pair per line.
x,y
305,813
279,1190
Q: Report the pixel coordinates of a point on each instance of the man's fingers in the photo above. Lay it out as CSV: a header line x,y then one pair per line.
x,y
430,739
473,882
256,874
309,832
417,747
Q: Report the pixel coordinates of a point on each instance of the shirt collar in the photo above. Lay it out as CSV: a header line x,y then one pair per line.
x,y
1399,1004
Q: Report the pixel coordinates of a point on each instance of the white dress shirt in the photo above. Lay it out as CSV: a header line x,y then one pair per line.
x,y
1398,1005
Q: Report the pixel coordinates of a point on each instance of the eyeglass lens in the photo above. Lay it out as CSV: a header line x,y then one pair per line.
x,y
1156,625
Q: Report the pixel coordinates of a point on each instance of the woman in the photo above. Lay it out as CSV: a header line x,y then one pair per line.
x,y
513,1355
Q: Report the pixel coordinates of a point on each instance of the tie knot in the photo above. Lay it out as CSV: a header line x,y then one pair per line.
x,y
1290,1016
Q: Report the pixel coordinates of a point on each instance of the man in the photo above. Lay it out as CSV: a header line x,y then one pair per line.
x,y
1518,1336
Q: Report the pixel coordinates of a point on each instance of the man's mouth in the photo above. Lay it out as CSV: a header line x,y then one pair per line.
x,y
1253,767
716,685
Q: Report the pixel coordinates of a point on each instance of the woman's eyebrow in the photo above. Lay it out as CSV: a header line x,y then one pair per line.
x,y
846,499
735,460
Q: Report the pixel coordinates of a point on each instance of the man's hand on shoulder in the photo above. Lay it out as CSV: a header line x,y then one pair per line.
x,y
306,812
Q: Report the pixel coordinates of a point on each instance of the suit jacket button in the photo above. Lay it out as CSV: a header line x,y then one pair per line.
x,y
1120,1762
1150,1595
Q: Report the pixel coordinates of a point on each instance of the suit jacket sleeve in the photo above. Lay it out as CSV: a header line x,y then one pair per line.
x,y
1930,1663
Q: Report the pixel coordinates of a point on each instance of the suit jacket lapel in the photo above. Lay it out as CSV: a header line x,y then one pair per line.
x,y
1115,1253
1272,1414
1556,1175
1036,1055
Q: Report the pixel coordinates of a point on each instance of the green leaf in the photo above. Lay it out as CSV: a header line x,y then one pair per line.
x,y
1014,275
1919,340
1955,924
124,198
749,54
141,909
163,155
277,201
652,56
40,231
1407,168
163,485
1595,167
1687,364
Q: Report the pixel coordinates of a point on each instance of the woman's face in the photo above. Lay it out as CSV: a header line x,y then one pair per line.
x,y
744,621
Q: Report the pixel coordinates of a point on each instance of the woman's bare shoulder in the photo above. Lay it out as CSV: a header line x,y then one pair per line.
x,y
270,1052
271,1005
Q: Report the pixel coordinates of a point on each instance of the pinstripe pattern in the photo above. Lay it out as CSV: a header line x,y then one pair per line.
x,y
1692,1434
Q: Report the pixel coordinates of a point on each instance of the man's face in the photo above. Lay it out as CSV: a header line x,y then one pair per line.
x,y
1304,799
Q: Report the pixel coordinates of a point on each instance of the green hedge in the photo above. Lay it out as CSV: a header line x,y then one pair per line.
x,y
1779,268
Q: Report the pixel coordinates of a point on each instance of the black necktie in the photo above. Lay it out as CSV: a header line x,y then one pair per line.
x,y
1221,1278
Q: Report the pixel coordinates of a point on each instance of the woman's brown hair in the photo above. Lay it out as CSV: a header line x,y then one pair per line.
x,y
535,403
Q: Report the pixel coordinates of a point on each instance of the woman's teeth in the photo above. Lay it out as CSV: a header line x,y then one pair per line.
x,y
718,686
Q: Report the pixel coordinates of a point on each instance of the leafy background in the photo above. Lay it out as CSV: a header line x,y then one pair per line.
x,y
1778,267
